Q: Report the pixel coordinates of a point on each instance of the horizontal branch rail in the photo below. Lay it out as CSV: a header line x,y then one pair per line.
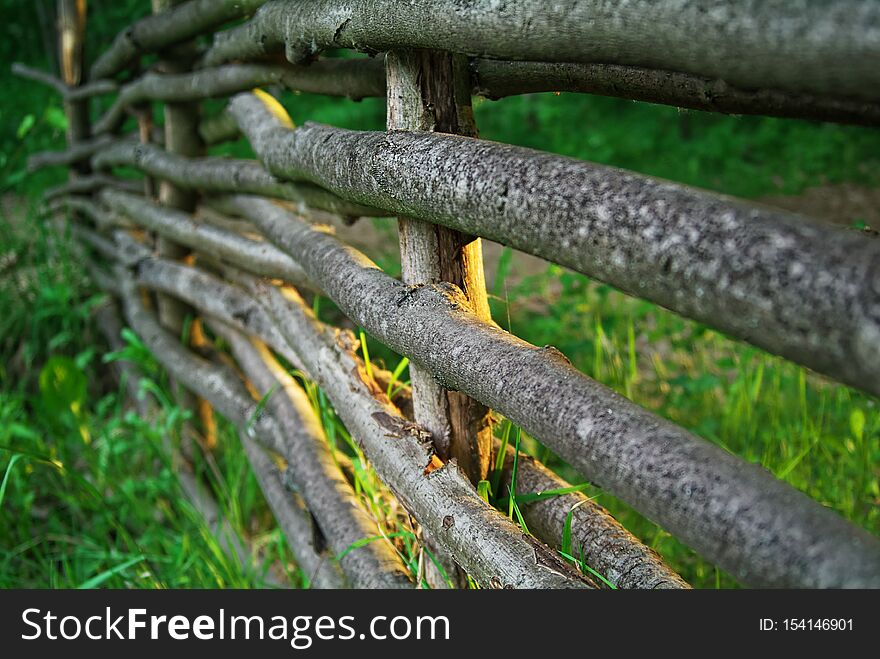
x,y
497,79
353,79
260,257
72,155
490,546
487,545
734,513
362,78
294,520
91,183
596,537
324,573
811,46
368,566
68,93
798,288
168,28
314,472
221,175
627,562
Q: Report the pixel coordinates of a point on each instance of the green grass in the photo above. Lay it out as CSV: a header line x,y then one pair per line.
x,y
87,498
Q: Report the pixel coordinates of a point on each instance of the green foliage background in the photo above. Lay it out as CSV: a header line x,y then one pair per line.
x,y
87,498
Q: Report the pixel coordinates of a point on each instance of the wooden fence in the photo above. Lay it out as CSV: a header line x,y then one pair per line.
x,y
234,242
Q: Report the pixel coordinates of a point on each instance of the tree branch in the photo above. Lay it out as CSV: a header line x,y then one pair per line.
x,y
160,31
725,508
259,257
796,287
791,45
221,175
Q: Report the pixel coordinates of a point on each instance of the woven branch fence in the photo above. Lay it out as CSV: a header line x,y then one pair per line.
x,y
237,243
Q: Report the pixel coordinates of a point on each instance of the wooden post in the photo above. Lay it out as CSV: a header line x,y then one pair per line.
x,y
181,138
71,37
430,91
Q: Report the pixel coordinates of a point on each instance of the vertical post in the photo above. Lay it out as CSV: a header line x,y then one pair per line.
x,y
71,37
430,91
181,138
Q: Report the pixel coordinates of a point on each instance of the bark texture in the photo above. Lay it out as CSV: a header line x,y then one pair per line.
x,y
230,397
596,536
496,79
813,46
495,549
157,32
488,546
351,78
259,257
734,513
315,474
218,175
430,91
796,287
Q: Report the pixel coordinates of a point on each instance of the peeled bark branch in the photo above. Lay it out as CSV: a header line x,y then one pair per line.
x,y
259,257
221,175
157,32
792,45
796,287
734,513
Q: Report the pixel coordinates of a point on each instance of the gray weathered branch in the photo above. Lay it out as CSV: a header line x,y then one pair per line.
x,y
294,520
488,546
796,287
85,205
259,257
315,473
204,504
94,88
91,183
497,79
813,46
221,175
229,396
218,129
596,536
73,154
734,513
159,31
352,78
